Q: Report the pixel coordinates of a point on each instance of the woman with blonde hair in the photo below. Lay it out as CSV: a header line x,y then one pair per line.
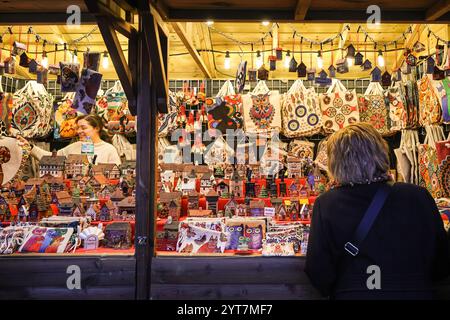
x,y
371,238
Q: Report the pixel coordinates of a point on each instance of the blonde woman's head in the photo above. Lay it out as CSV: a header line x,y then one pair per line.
x,y
357,154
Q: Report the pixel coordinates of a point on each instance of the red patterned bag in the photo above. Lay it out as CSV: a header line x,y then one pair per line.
x,y
429,103
372,108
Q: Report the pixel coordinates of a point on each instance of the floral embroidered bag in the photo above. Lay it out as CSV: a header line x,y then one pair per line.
x,y
32,111
428,161
339,107
301,113
398,116
372,108
429,103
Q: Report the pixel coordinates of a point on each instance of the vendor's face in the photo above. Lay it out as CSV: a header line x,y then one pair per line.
x,y
84,129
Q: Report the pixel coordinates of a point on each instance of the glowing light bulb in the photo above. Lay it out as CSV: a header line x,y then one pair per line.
x,y
44,61
209,23
287,59
380,59
319,60
105,60
350,61
227,62
75,57
259,60
265,23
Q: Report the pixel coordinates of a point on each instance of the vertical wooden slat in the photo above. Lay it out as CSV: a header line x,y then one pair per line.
x,y
144,172
132,63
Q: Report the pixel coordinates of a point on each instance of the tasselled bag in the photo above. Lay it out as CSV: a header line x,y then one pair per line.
x,y
120,120
429,104
372,108
398,116
428,161
301,113
32,111
339,107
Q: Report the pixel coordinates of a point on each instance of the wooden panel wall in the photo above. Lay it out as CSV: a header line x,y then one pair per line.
x,y
46,277
277,278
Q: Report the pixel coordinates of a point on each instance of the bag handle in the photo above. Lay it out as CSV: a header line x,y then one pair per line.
x,y
352,247
226,90
261,88
297,86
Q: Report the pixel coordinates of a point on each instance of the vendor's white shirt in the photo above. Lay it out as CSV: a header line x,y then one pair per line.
x,y
106,152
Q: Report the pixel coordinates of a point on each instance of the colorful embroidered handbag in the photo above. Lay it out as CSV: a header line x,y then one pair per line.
x,y
429,103
443,149
301,113
443,91
339,107
372,108
428,161
86,91
70,76
261,110
444,176
411,94
32,111
301,149
120,120
398,115
167,121
65,119
321,156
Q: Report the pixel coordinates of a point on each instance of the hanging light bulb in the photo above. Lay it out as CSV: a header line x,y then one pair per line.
x,y
380,59
105,60
44,61
265,23
227,62
75,56
209,22
350,61
319,60
287,59
259,60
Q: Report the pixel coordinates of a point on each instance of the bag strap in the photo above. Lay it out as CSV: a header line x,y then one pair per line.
x,y
369,218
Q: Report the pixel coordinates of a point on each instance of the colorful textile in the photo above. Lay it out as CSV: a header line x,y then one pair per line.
x,y
429,103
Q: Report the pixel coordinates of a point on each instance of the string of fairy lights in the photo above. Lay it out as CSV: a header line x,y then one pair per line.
x,y
39,40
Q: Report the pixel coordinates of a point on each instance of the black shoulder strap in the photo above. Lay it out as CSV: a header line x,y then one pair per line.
x,y
352,247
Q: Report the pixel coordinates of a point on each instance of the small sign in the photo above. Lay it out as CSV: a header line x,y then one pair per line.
x,y
91,242
269,212
87,148
304,201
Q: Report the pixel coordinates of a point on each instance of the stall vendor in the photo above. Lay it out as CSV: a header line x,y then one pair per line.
x,y
91,142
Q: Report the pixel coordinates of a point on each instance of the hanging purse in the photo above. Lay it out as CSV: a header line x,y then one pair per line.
x,y
372,108
86,91
240,76
301,113
339,107
429,104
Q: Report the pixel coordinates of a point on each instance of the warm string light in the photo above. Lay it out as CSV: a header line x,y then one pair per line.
x,y
319,60
259,60
287,59
105,60
380,59
227,61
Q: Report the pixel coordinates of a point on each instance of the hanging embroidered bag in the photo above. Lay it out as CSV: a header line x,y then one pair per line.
x,y
262,109
372,108
301,113
443,91
428,161
32,111
429,104
398,116
339,107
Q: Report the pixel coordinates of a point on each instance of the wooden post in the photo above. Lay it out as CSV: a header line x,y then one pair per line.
x,y
144,176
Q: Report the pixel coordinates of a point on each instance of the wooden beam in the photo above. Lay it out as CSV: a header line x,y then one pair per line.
x,y
118,58
206,42
122,26
160,21
437,10
153,40
161,8
133,65
301,9
409,42
190,47
144,188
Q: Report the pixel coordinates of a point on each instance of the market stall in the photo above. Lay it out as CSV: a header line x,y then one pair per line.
x,y
221,127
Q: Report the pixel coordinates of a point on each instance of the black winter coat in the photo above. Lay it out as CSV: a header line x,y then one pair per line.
x,y
407,242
